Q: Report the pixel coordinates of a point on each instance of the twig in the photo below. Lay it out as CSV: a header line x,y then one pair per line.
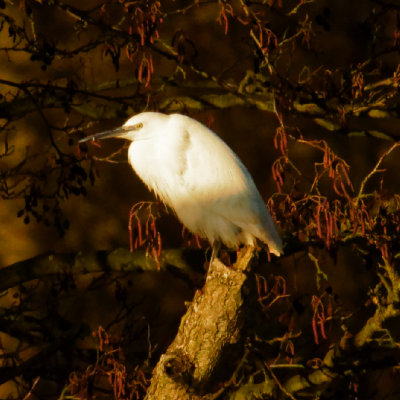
x,y
110,158
278,383
29,394
376,169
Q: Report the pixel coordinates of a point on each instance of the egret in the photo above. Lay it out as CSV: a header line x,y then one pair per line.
x,y
196,173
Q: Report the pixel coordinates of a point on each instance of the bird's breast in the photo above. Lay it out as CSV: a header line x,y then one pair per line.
x,y
158,165
189,171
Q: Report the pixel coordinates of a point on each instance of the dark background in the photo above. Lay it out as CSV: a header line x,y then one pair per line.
x,y
327,73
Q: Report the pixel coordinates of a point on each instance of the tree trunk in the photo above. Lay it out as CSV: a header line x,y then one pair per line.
x,y
211,325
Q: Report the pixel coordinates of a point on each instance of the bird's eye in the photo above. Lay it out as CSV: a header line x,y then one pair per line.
x,y
139,125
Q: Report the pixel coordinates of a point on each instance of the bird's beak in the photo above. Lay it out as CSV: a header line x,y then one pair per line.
x,y
117,132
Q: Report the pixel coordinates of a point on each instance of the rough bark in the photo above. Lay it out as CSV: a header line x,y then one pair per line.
x,y
211,325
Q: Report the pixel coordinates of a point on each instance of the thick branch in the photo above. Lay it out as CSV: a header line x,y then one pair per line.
x,y
386,309
212,324
184,261
8,373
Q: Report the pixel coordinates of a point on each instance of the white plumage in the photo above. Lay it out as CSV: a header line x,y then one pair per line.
x,y
195,173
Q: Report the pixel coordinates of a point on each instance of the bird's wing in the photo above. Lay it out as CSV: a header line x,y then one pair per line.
x,y
213,176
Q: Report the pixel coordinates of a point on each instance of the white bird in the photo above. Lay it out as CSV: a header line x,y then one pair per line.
x,y
196,174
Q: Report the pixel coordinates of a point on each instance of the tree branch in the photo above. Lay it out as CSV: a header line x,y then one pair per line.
x,y
183,262
212,324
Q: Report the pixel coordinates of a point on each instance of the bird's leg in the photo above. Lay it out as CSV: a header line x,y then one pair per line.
x,y
216,247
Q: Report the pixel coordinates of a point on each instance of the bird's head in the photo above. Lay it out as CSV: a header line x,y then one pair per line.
x,y
138,127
